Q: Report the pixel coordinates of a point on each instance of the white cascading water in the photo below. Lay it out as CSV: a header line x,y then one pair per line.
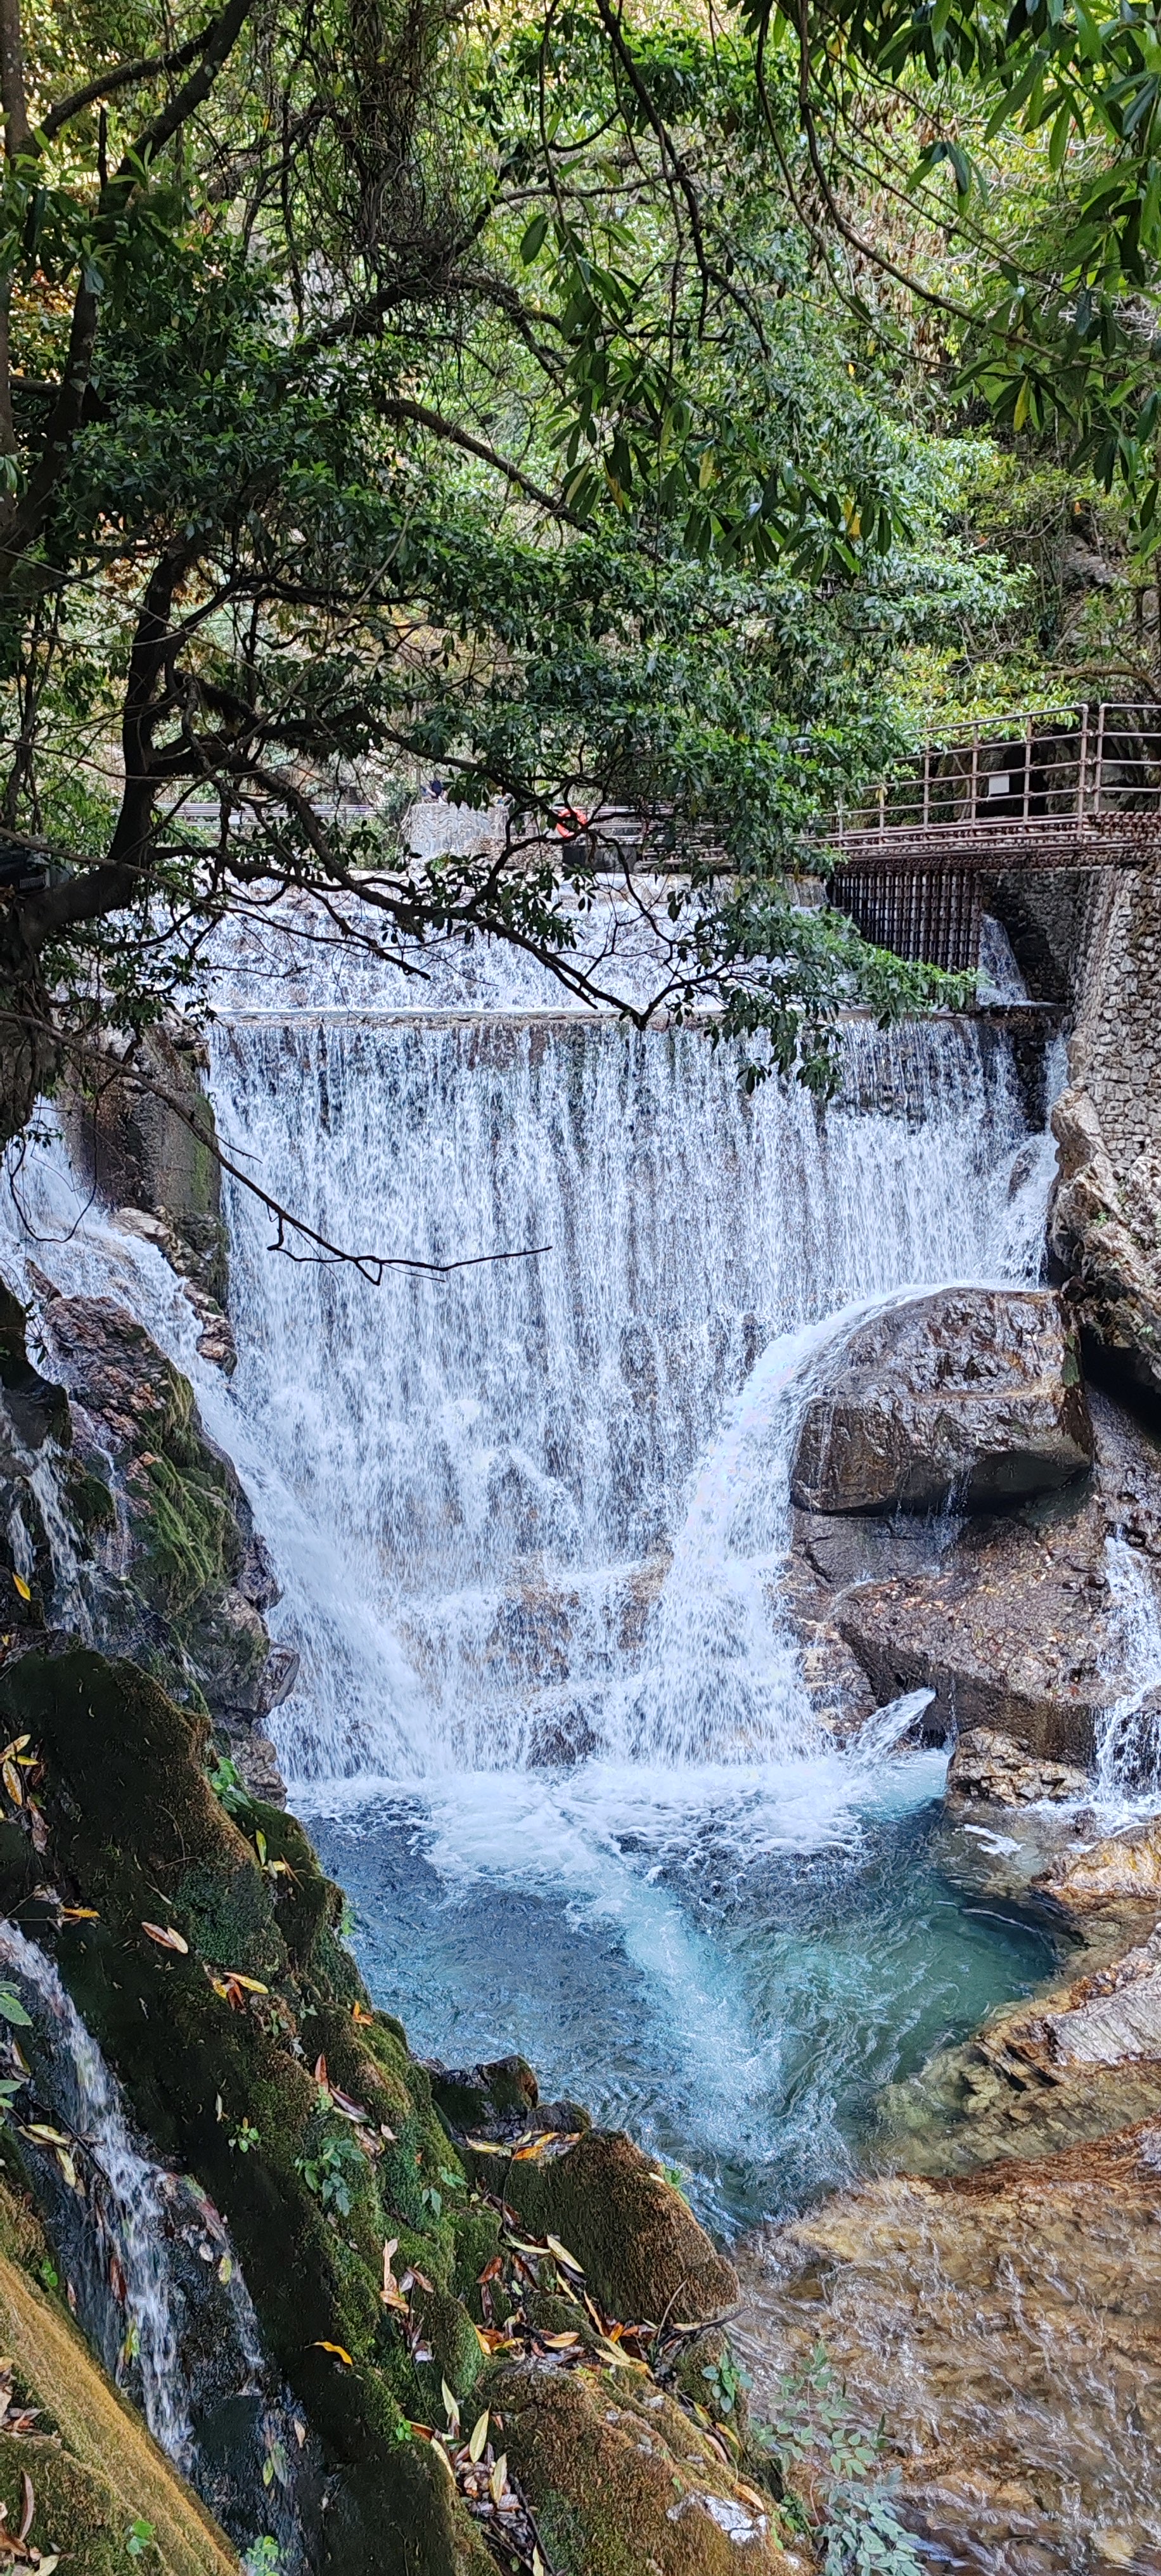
x,y
1128,1745
130,2192
530,1519
500,1462
152,2273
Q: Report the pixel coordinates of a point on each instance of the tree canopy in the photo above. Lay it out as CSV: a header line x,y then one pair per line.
x,y
581,402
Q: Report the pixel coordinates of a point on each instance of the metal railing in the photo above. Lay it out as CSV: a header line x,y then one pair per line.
x,y
1055,782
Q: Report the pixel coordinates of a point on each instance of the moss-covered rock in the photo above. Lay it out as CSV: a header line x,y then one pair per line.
x,y
294,2108
637,2240
93,2469
209,1965
623,2484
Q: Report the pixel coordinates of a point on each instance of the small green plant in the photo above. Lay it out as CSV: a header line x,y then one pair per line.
x,y
139,2537
727,2379
860,2533
676,2180
332,2171
12,2010
246,2138
274,2465
263,2558
226,1785
48,2275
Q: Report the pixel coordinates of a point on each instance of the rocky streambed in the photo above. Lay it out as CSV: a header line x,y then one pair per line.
x,y
973,1523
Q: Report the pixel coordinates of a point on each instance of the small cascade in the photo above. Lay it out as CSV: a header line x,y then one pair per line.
x,y
1128,1747
155,2281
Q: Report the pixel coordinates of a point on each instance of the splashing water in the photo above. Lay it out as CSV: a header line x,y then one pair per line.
x,y
1128,1746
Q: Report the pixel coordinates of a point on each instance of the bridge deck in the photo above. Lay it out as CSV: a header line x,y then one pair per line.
x,y
1111,840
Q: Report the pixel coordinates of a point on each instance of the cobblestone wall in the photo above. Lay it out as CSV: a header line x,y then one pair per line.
x,y
1116,1047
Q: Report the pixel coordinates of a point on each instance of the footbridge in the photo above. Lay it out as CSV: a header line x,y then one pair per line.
x,y
1053,787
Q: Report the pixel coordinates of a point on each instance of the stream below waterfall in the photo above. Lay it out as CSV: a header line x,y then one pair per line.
x,y
551,1730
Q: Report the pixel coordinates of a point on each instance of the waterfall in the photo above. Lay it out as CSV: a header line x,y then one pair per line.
x,y
500,1463
530,1520
481,1492
154,2278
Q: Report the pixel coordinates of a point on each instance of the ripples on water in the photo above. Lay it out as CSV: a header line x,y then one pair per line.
x,y
728,1963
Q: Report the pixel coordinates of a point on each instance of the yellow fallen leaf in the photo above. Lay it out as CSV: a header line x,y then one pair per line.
x,y
166,1938
558,2342
479,2435
22,1587
563,2256
46,2136
320,2344
17,1746
499,2477
450,2406
13,1783
79,1914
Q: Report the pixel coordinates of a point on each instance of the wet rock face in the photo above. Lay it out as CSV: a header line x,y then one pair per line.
x,y
1105,1230
1013,1634
987,1766
975,1394
122,1522
1007,2327
1010,1618
144,1135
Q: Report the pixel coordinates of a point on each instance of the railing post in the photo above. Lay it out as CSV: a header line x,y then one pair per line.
x,y
927,786
1027,767
1100,759
975,789
1083,787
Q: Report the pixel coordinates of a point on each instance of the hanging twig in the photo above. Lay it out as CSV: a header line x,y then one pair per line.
x,y
371,1266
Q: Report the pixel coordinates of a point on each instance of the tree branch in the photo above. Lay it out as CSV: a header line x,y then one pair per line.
x,y
125,76
395,408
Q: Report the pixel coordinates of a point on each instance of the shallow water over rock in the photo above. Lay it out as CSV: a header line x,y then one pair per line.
x,y
1007,2325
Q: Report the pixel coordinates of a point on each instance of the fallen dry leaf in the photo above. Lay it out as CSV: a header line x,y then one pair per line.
x,y
166,1938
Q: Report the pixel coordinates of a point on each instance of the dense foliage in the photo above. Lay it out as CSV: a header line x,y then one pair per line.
x,y
585,405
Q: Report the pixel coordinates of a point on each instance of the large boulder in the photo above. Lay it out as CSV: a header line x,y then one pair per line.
x,y
973,1394
1016,1633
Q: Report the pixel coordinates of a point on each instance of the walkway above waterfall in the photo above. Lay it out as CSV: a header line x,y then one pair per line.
x,y
1051,787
